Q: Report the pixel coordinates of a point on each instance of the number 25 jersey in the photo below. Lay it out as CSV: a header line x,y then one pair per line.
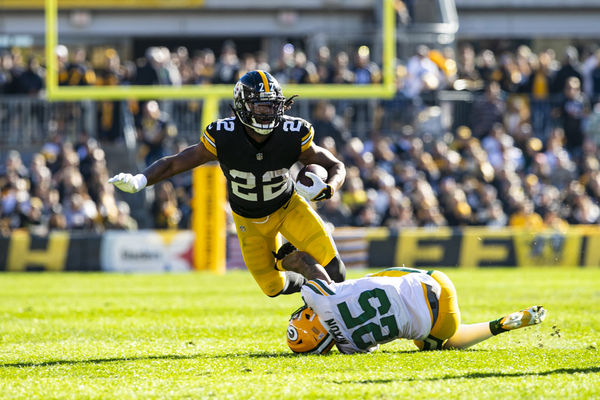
x,y
257,174
362,313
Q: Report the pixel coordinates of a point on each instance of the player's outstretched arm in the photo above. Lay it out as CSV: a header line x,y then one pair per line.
x,y
164,168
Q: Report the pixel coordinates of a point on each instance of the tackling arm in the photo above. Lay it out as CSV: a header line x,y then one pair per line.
x,y
302,263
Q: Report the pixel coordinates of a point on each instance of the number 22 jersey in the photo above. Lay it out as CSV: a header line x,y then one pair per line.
x,y
362,313
257,174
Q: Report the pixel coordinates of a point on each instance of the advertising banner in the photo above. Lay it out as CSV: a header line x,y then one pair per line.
x,y
147,251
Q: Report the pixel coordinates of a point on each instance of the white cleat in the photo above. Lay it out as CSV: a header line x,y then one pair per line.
x,y
530,316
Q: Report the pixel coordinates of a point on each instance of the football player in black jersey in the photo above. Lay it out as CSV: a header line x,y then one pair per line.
x,y
255,149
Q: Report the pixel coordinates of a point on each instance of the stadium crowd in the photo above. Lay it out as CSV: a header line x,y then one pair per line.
x,y
527,157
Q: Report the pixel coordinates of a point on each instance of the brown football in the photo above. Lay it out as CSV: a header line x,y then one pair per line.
x,y
316,169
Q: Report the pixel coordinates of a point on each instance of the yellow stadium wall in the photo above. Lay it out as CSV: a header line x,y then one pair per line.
x,y
474,247
167,251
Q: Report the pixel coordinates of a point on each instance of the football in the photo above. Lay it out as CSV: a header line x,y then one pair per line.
x,y
316,169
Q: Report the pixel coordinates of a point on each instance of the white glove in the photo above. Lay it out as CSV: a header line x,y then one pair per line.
x,y
318,191
129,183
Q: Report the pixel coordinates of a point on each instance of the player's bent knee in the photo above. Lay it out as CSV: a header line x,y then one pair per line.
x,y
274,285
272,292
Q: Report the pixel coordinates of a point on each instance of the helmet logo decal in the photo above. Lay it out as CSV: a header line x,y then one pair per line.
x,y
265,80
292,333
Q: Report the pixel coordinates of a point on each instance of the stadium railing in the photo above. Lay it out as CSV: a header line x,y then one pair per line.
x,y
27,121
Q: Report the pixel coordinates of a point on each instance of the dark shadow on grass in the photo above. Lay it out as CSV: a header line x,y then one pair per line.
x,y
148,358
479,375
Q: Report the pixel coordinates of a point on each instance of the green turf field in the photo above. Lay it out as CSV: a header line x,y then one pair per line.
x,y
188,336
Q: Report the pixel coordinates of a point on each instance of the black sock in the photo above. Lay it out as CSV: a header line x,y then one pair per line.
x,y
496,327
336,270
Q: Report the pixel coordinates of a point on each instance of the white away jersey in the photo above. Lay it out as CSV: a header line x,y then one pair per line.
x,y
362,313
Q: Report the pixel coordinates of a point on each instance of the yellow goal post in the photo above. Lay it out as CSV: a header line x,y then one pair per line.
x,y
208,182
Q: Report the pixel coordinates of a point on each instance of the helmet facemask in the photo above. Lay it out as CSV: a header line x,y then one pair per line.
x,y
260,111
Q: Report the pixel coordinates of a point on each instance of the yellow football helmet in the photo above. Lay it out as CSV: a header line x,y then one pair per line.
x,y
306,334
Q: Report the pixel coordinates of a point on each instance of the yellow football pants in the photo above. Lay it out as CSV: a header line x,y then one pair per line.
x,y
448,319
259,237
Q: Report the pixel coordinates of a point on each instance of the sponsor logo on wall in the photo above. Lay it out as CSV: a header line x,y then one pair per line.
x,y
147,251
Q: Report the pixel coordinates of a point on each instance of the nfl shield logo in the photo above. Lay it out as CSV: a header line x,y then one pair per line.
x,y
259,156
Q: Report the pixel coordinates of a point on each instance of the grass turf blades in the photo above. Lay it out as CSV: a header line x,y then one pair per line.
x,y
101,336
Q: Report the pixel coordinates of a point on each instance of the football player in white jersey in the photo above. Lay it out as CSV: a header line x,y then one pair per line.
x,y
359,314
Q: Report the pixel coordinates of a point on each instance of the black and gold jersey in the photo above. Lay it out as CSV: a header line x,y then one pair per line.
x,y
258,179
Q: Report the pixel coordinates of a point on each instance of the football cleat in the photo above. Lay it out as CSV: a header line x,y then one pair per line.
x,y
306,334
258,101
530,316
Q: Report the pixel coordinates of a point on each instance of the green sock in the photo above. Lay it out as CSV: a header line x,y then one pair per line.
x,y
496,326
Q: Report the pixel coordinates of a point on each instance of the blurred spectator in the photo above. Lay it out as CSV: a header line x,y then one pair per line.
x,y
30,81
324,65
165,210
525,217
595,78
284,64
573,110
77,72
13,165
6,77
80,212
335,212
341,69
204,67
467,73
227,68
585,211
592,127
181,60
150,70
487,111
487,67
538,86
399,213
422,75
247,64
365,71
516,115
553,220
303,71
403,12
327,123
110,73
569,69
154,130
